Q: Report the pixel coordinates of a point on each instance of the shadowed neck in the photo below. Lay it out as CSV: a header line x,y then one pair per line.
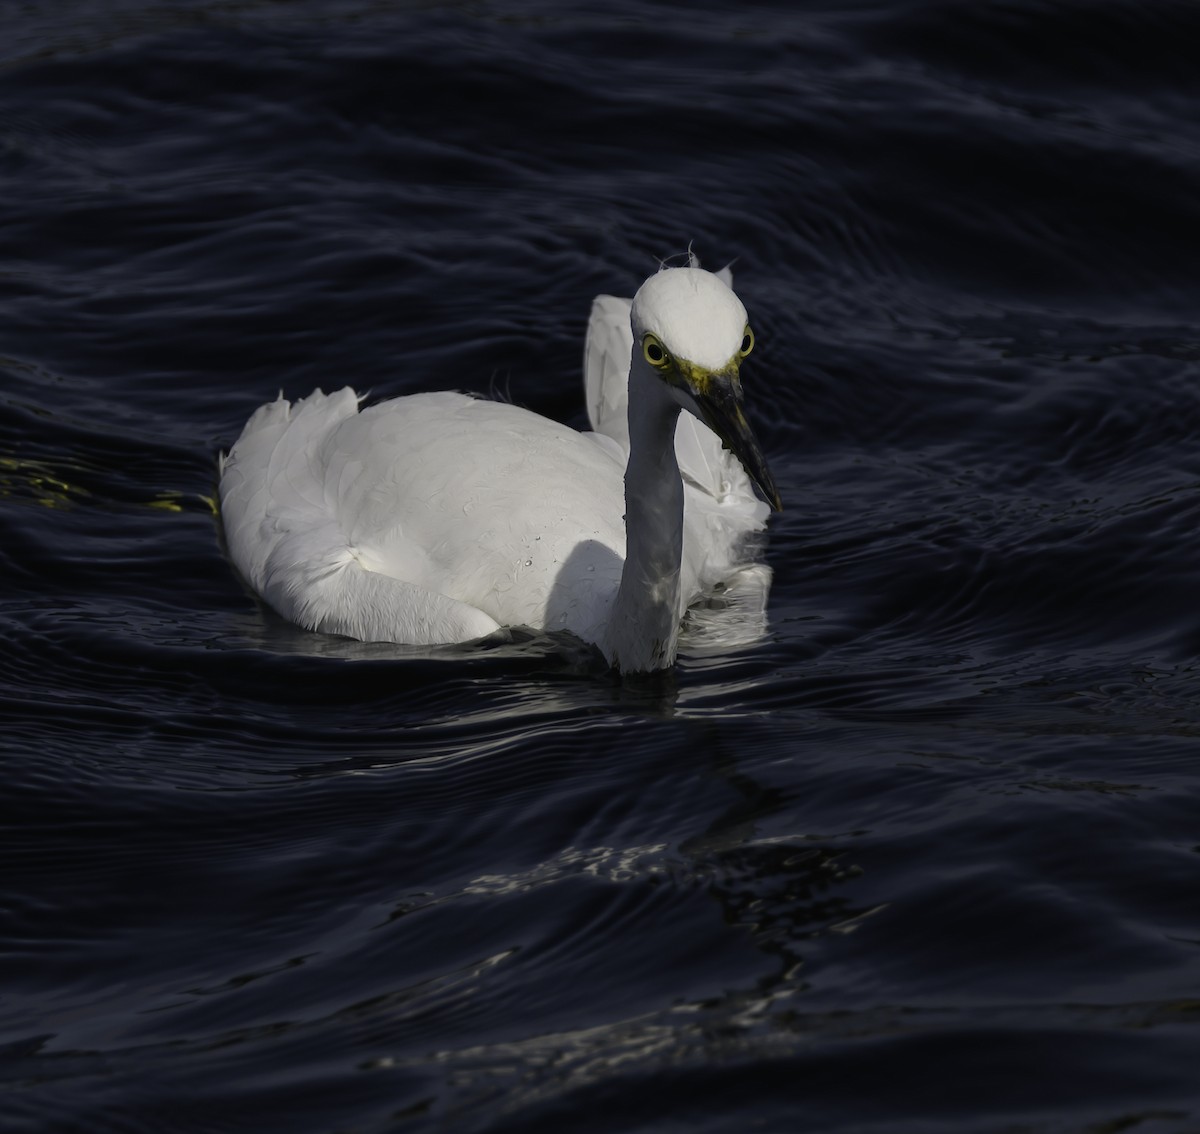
x,y
644,628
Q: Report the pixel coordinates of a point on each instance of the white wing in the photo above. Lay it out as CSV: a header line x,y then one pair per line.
x,y
430,518
285,538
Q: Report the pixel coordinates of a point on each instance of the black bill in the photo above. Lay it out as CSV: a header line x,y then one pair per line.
x,y
721,405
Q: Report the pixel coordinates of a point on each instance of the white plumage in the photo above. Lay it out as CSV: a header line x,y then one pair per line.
x,y
440,517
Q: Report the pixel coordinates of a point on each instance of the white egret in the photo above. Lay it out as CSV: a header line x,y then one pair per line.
x,y
438,517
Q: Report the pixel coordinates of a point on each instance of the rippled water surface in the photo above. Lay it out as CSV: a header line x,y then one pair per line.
x,y
924,859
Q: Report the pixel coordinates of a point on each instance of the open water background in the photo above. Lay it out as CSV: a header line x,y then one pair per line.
x,y
925,859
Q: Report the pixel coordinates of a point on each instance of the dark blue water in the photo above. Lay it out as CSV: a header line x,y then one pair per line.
x,y
923,860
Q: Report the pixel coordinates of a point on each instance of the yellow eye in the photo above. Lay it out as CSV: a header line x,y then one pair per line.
x,y
747,342
655,352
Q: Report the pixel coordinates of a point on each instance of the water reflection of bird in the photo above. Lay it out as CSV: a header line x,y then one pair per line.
x,y
440,517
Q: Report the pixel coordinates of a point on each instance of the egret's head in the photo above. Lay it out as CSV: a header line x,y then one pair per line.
x,y
692,331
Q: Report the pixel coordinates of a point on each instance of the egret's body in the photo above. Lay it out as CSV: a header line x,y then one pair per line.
x,y
441,518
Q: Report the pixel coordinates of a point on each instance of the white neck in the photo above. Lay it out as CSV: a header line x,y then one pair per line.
x,y
643,631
